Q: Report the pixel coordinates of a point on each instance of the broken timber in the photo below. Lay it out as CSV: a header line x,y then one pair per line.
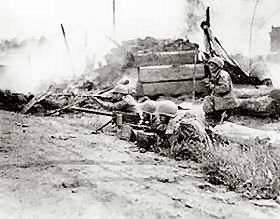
x,y
33,101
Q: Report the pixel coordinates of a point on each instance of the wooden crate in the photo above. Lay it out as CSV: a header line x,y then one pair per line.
x,y
169,73
165,58
173,88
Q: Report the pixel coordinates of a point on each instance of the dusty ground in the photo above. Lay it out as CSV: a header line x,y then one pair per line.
x,y
55,168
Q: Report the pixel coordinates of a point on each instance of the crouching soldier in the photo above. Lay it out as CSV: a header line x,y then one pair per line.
x,y
219,105
121,100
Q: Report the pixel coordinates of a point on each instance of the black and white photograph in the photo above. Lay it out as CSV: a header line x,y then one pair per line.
x,y
131,109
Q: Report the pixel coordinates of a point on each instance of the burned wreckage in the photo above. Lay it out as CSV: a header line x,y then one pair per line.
x,y
163,69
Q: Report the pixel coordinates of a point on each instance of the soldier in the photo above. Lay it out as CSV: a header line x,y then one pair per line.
x,y
122,101
148,109
166,111
220,103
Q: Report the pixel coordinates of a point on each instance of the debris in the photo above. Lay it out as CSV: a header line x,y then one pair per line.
x,y
33,101
21,125
226,201
64,138
182,201
265,203
207,187
166,180
73,184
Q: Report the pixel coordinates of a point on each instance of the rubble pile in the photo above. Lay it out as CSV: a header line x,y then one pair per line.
x,y
150,44
79,90
148,51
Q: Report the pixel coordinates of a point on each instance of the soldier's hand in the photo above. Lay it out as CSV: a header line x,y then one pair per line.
x,y
206,80
211,86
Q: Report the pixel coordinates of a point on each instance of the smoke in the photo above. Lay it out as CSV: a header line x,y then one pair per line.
x,y
35,66
194,14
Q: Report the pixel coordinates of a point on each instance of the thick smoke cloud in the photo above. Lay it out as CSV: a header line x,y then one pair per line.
x,y
194,14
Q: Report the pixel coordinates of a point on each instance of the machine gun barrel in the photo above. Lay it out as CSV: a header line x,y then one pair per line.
x,y
98,112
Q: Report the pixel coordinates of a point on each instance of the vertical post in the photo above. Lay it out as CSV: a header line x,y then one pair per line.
x,y
114,19
194,73
68,49
251,33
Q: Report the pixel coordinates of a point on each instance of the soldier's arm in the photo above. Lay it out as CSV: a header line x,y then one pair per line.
x,y
121,105
223,85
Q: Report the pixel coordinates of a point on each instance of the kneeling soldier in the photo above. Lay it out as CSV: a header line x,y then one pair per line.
x,y
222,99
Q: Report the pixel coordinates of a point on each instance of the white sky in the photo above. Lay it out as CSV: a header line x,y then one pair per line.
x,y
136,18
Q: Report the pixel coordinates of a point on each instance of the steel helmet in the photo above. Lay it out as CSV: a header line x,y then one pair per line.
x,y
120,89
149,106
217,60
167,108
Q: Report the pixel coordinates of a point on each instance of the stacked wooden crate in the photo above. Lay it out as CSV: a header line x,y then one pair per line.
x,y
169,73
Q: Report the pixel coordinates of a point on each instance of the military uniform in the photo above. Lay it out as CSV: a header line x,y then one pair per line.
x,y
126,104
220,104
222,96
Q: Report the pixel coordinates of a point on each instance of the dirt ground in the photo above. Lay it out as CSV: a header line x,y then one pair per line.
x,y
55,168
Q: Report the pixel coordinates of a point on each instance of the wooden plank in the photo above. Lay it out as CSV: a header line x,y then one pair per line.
x,y
172,88
169,72
165,58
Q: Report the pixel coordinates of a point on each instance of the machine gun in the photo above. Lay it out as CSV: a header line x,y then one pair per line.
x,y
117,118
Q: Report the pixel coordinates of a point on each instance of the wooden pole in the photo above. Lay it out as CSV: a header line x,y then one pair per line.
x,y
68,49
194,73
251,33
114,19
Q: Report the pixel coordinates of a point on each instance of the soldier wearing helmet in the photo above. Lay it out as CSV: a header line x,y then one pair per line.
x,y
166,112
148,109
122,101
222,99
